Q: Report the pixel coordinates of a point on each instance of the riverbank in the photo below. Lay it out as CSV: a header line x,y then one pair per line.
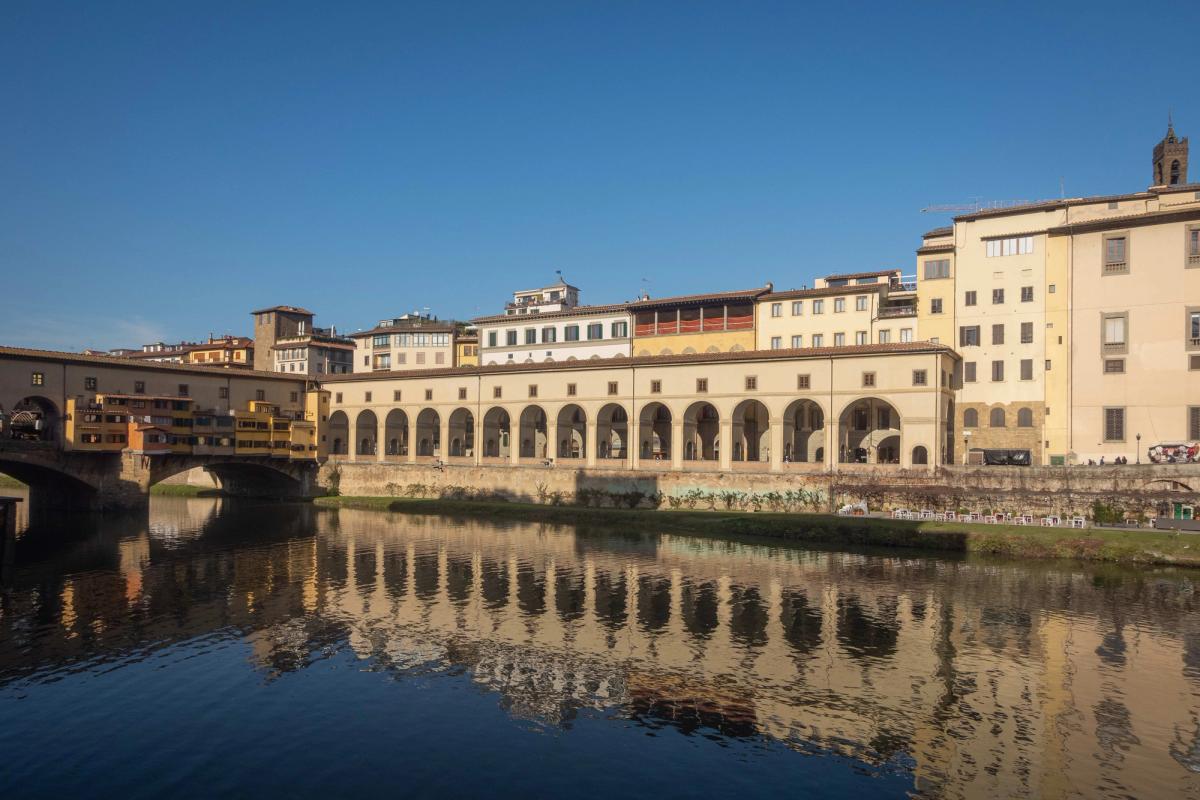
x,y
1014,541
182,490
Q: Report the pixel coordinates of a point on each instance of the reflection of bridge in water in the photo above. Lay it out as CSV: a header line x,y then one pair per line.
x,y
1025,680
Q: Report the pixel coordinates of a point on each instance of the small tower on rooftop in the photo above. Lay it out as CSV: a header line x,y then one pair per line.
x,y
1171,159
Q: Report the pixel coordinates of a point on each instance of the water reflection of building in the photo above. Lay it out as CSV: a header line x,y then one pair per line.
x,y
1009,681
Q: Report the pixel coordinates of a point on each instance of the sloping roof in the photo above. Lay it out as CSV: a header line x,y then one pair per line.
x,y
824,291
808,353
577,311
741,294
289,309
409,326
936,232
1171,214
31,354
879,273
948,247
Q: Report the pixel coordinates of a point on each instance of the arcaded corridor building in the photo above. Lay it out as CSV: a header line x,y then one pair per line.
x,y
812,409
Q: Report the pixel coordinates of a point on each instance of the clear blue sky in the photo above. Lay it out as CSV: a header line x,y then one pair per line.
x,y
167,167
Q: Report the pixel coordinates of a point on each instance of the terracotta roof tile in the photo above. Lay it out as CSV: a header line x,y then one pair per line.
x,y
807,353
742,294
32,354
578,311
854,275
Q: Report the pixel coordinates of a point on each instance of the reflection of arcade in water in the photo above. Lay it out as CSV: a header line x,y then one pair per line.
x,y
1026,681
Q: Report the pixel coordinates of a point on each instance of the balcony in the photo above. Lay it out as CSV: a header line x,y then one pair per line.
x,y
905,283
897,311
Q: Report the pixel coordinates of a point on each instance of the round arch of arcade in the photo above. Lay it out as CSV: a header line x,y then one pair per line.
x,y
687,432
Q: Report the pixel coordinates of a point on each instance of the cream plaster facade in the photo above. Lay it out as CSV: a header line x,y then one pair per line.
x,y
772,411
576,334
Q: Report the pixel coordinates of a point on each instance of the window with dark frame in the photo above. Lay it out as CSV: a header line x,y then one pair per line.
x,y
612,387
496,392
868,379
1114,424
920,377
751,383
701,385
655,387
533,390
803,382
571,390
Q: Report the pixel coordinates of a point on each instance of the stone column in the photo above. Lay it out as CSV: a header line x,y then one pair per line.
x,y
412,438
478,454
677,443
831,443
777,431
591,443
514,437
725,434
634,431
443,450
552,437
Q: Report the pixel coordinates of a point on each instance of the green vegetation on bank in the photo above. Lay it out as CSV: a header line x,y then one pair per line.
x,y
182,490
1015,541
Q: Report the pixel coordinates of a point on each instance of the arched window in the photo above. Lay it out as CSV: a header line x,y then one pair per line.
x,y
920,455
970,418
996,418
1175,172
1025,418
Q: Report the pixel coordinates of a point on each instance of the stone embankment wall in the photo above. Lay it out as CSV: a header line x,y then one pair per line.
x,y
1129,491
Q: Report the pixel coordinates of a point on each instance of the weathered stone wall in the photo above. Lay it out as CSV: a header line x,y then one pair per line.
x,y
1066,491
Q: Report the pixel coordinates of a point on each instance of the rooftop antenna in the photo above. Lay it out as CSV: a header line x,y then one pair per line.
x,y
558,272
1062,188
646,288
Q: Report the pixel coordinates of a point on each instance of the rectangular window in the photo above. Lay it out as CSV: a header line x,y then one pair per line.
x,y
969,298
776,309
571,390
818,306
89,384
997,297
862,303
1026,369
223,392
860,337
751,383
491,338
839,340
797,308
531,336
571,333
510,338
1013,246
420,358
968,336
655,387
620,330
1193,426
533,390
1116,255
439,357
939,268
382,340
1026,294
497,393
868,379
998,333
612,387
1047,365
37,379
803,382
139,387
818,340
395,395
968,372
701,385
906,334
997,371
337,398
935,305
183,390
1114,366
1116,333
1026,333
920,377
1193,246
885,336
1193,329
839,305
462,393
1114,424
595,331
797,342
366,397
776,342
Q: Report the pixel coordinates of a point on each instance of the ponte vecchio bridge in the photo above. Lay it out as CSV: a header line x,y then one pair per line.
x,y
91,432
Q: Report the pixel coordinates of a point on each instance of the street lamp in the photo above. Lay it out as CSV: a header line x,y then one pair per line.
x,y
966,440
1139,448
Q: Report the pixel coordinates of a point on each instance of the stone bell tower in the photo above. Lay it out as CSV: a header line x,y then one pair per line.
x,y
1170,159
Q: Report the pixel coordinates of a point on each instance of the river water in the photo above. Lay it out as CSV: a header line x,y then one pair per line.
x,y
233,649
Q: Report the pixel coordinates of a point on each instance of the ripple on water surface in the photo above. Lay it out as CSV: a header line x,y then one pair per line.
x,y
225,648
